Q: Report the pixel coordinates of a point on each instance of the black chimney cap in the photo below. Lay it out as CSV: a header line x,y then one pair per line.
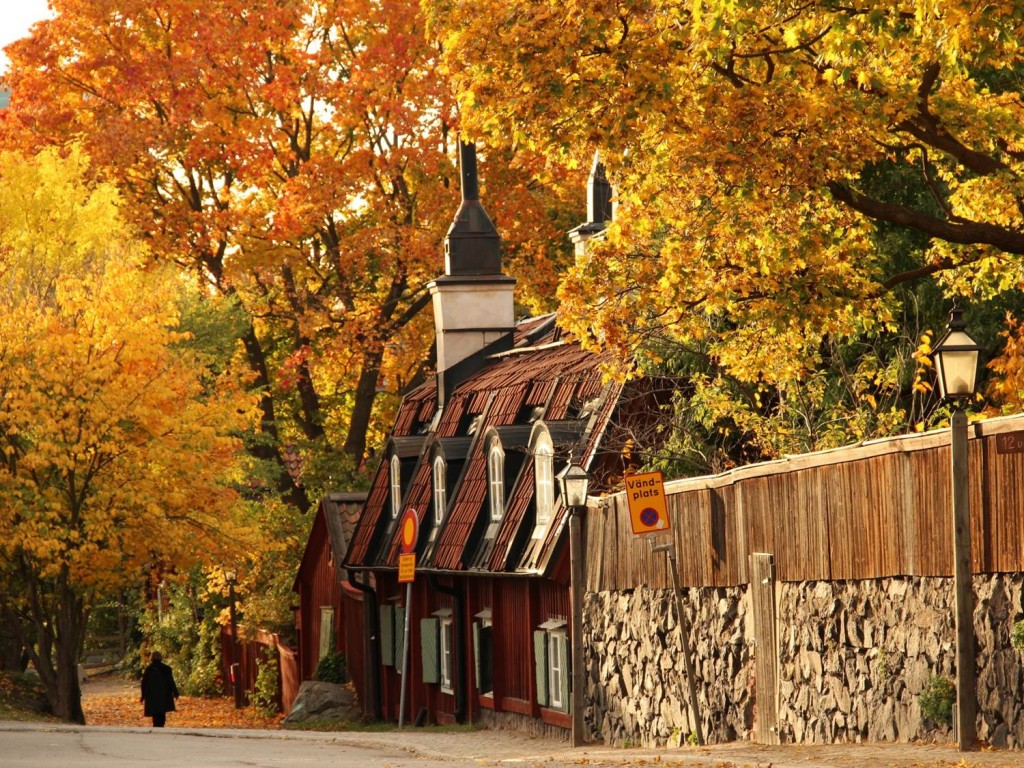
x,y
472,245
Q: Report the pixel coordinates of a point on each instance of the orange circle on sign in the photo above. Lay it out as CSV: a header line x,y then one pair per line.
x,y
409,527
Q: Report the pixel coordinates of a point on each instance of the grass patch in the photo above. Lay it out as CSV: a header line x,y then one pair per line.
x,y
22,698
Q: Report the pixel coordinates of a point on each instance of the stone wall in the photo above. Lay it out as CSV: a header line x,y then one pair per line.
x,y
854,658
637,690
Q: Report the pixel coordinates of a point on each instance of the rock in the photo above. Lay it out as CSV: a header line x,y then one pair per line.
x,y
323,701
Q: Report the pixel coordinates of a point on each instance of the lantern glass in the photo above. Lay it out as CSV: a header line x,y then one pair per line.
x,y
230,576
956,360
573,483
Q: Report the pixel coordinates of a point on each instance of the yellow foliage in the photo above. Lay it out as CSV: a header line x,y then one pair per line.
x,y
119,448
736,134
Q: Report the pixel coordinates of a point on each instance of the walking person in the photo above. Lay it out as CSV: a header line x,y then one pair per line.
x,y
158,690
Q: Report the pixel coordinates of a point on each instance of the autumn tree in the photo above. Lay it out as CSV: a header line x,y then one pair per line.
x,y
746,141
305,169
120,442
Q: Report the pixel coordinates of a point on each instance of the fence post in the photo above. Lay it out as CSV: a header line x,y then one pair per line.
x,y
766,656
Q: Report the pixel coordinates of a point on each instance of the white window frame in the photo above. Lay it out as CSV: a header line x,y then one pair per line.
x,y
496,480
556,668
485,621
445,651
396,486
440,493
544,474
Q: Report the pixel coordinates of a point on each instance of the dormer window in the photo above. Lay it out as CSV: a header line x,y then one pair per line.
x,y
396,486
544,471
496,479
440,494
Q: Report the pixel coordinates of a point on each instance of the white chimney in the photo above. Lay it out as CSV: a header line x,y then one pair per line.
x,y
473,301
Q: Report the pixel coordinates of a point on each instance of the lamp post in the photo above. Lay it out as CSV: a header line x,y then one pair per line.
x,y
573,483
956,361
236,683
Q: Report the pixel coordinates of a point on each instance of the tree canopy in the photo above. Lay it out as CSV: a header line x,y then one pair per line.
x,y
305,169
120,443
742,138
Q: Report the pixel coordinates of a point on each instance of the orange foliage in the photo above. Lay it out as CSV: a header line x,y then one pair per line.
x,y
305,168
117,703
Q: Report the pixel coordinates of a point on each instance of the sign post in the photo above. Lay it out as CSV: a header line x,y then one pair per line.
x,y
409,530
648,513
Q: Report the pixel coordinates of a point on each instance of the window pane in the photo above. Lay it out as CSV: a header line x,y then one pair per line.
x,y
440,495
496,480
396,485
556,667
446,653
544,470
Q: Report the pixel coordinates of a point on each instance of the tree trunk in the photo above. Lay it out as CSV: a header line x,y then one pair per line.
x,y
68,702
10,650
269,448
58,647
362,409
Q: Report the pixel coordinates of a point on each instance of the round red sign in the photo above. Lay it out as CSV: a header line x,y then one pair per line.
x,y
410,527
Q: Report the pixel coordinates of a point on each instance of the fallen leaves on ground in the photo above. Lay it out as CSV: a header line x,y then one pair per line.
x,y
122,707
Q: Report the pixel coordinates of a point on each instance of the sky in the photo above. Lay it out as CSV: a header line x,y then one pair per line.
x,y
16,16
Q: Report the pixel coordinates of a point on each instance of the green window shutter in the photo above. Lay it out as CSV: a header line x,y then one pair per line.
x,y
326,631
563,680
387,636
429,630
540,659
399,635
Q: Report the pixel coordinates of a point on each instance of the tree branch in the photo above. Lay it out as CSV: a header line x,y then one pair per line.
x,y
962,231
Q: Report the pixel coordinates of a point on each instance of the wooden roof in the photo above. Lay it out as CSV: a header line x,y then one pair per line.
x,y
544,378
335,520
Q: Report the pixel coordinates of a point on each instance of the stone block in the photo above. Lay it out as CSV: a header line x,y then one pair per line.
x,y
322,700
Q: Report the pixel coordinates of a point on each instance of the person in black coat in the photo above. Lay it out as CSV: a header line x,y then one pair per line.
x,y
158,690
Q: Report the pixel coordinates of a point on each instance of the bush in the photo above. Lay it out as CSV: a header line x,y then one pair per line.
x,y
1017,636
264,697
937,700
331,668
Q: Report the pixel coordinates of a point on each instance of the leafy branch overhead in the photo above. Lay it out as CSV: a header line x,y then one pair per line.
x,y
741,137
304,171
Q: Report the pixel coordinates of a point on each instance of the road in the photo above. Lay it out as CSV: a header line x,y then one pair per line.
x,y
44,745
120,748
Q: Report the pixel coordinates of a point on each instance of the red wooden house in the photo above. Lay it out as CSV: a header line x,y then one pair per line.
x,y
474,453
329,616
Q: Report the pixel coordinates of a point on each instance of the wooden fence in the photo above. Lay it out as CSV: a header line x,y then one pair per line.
x,y
883,508
246,653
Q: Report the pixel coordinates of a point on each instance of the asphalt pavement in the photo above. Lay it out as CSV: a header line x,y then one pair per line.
x,y
39,745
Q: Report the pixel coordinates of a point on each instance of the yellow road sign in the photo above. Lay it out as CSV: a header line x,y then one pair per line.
x,y
406,568
648,511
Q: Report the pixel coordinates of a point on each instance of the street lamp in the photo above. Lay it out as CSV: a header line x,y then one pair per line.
x,y
231,577
573,483
956,361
